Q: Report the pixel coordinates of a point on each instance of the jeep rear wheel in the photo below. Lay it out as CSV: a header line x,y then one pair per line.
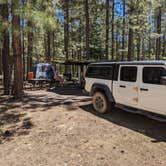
x,y
100,103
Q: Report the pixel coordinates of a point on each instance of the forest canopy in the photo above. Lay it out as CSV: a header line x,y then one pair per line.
x,y
33,31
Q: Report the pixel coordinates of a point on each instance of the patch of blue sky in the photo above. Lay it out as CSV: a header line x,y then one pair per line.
x,y
118,8
60,14
118,11
23,22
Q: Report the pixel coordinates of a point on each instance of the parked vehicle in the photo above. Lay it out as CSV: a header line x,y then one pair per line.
x,y
132,86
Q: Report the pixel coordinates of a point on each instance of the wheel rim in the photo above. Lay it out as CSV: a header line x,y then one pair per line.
x,y
99,103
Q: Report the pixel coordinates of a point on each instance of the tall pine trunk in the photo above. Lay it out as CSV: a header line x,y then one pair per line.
x,y
16,43
66,28
53,44
117,46
23,41
143,48
164,47
107,28
149,46
130,45
113,14
138,47
87,29
0,61
30,47
80,40
5,52
158,40
123,33
23,51
66,34
48,56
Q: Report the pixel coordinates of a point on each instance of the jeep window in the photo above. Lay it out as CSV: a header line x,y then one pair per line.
x,y
100,72
152,75
92,72
129,74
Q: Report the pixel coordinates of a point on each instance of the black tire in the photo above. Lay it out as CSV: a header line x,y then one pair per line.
x,y
100,103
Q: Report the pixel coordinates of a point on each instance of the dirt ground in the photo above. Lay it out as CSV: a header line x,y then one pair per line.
x,y
59,128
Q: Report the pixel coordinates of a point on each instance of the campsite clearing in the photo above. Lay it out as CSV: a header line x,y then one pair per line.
x,y
60,128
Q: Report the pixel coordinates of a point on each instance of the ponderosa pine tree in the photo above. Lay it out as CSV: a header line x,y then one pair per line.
x,y
16,44
107,28
30,47
87,29
158,30
4,12
113,45
123,31
66,28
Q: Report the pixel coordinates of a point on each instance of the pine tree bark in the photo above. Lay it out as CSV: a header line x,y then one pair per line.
x,y
5,52
66,34
158,40
48,56
87,29
80,40
117,44
164,46
45,44
149,46
107,28
23,51
0,61
30,48
16,44
130,45
53,44
123,33
143,48
138,47
66,28
113,14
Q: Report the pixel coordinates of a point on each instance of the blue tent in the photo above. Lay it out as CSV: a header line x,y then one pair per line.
x,y
45,71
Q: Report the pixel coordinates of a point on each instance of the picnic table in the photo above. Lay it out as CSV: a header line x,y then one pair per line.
x,y
38,82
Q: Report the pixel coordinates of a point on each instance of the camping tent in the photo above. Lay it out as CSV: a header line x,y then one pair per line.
x,y
45,71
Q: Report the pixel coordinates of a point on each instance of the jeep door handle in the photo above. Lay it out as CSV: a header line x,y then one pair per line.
x,y
122,86
143,89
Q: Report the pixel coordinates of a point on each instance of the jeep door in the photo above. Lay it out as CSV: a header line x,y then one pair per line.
x,y
127,86
152,95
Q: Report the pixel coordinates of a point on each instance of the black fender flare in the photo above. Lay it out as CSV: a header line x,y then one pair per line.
x,y
104,88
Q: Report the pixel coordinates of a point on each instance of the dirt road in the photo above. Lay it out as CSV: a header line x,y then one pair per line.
x,y
60,129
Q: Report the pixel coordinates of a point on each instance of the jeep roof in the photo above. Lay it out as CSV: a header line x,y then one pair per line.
x,y
163,62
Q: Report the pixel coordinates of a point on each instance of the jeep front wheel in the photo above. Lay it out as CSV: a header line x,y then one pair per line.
x,y
100,103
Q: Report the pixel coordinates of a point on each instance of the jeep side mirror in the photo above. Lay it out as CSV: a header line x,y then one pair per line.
x,y
163,80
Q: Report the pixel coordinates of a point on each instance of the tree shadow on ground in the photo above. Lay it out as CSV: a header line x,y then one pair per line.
x,y
59,96
13,112
73,90
13,124
139,123
39,102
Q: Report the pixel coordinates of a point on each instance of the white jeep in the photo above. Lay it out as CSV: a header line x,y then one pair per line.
x,y
133,86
